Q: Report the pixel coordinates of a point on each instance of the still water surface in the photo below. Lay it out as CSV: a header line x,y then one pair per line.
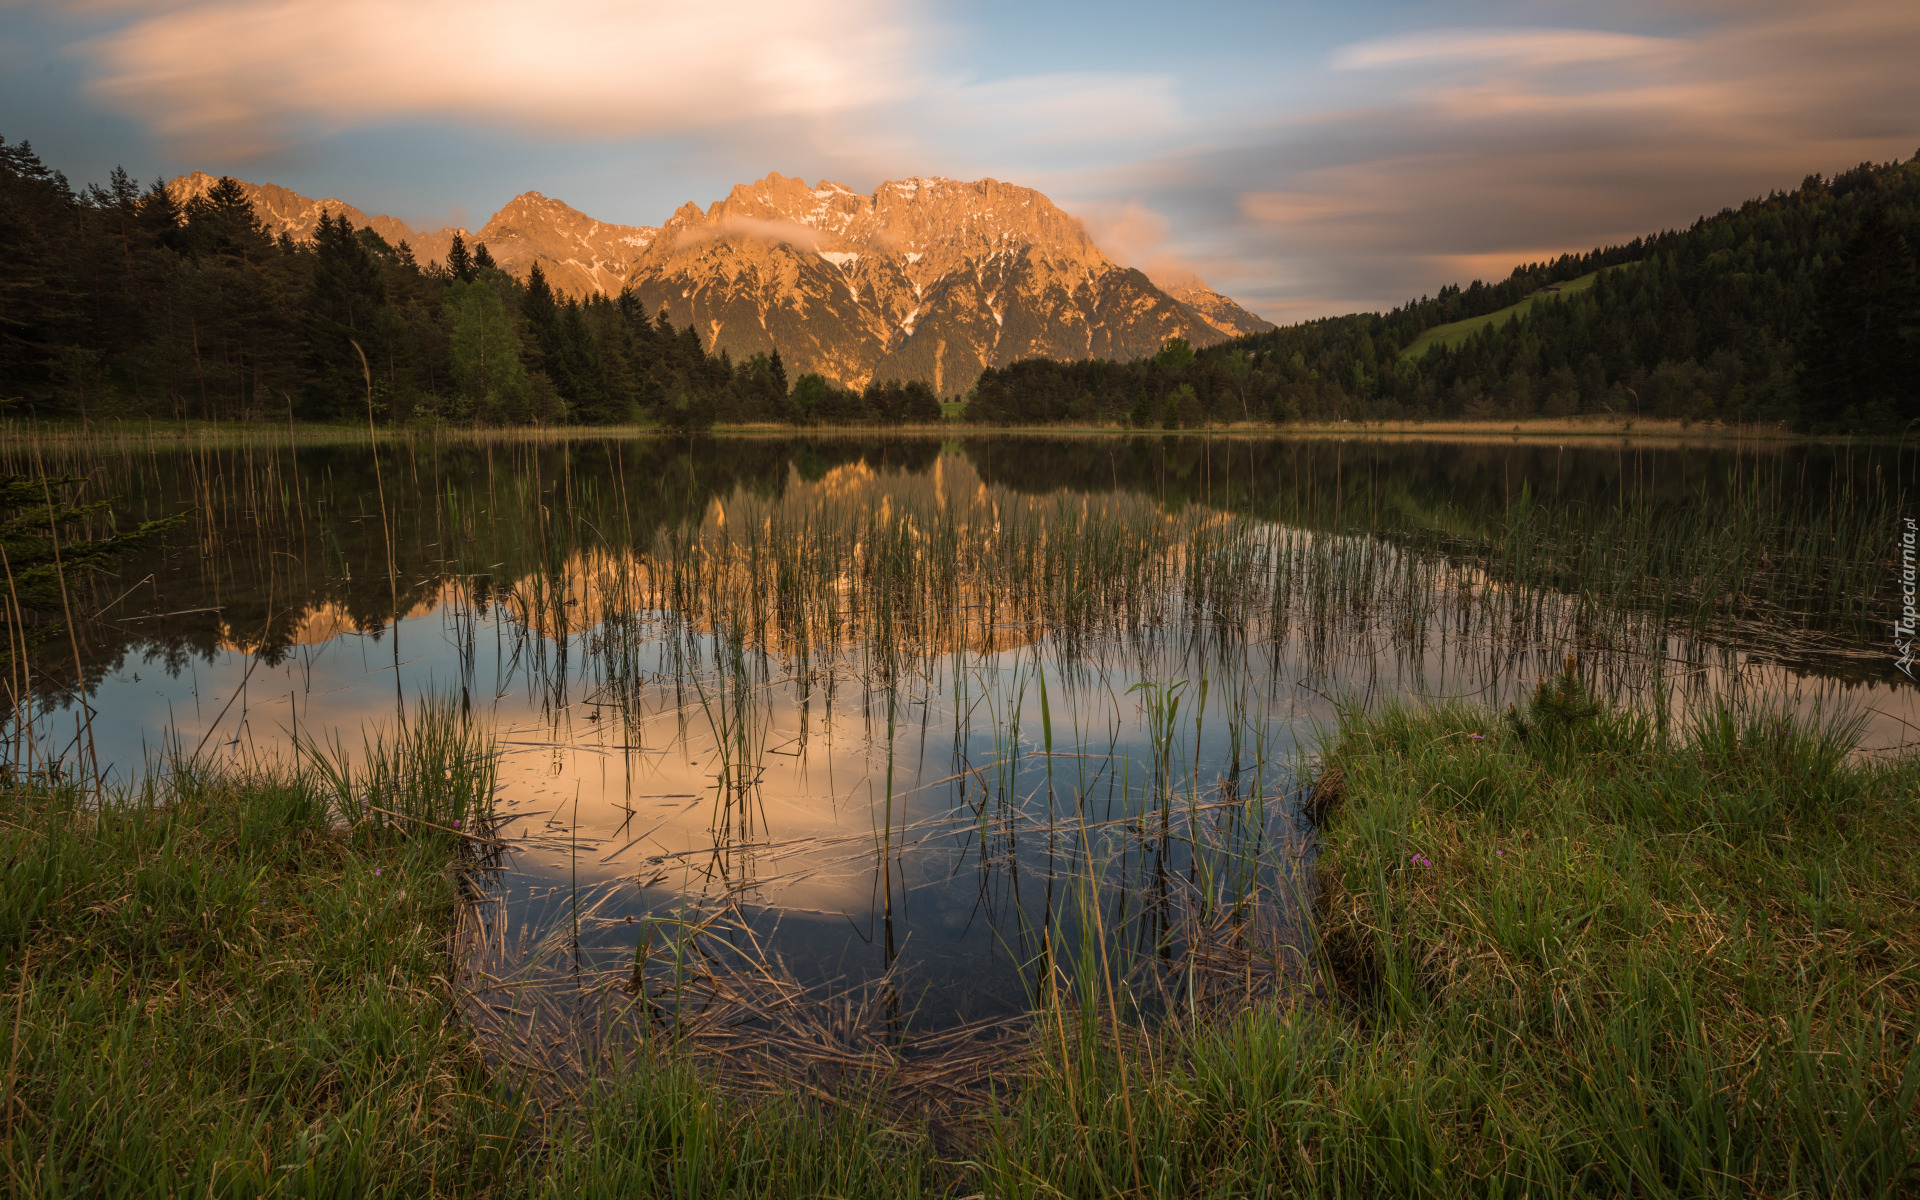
x,y
907,721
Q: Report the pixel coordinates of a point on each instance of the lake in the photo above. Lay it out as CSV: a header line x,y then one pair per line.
x,y
808,738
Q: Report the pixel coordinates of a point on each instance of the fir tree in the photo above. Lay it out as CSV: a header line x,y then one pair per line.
x,y
459,262
223,222
540,317
349,324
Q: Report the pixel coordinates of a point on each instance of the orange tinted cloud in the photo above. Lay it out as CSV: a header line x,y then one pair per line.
x,y
246,74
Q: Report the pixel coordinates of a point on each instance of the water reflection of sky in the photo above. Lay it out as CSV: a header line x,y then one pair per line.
x,y
623,808
609,797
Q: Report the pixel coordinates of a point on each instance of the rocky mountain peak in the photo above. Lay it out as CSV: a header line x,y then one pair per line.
x,y
925,278
579,255
687,214
828,207
282,210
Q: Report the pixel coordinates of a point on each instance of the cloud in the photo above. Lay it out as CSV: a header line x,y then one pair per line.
x,y
1133,235
248,75
1537,48
757,229
1469,151
1063,108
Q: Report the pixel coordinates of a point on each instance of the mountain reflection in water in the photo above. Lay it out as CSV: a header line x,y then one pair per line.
x,y
927,718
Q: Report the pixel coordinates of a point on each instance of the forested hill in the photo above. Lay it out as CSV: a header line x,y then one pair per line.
x,y
1800,307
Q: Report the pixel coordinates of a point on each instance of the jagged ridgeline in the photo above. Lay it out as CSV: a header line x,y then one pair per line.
x,y
1800,307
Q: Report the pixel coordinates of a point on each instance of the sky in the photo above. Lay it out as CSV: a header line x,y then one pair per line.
x,y
1306,159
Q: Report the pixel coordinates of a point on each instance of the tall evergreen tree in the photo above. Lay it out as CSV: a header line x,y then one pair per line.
x,y
222,222
160,216
459,262
348,322
37,305
540,317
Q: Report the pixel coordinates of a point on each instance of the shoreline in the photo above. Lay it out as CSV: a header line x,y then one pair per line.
x,y
1586,431
1519,919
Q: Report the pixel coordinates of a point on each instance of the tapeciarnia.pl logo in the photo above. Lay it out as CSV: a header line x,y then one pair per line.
x,y
1903,628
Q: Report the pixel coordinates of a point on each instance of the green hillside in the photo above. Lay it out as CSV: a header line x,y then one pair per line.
x,y
1453,333
1798,307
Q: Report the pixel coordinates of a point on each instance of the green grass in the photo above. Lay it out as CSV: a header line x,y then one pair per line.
x,y
1650,965
1455,333
1570,956
1567,952
216,988
236,985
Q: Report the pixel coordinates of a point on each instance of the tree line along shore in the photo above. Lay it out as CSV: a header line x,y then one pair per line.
x,y
1798,309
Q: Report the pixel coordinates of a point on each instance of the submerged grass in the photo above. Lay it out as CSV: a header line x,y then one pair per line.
x,y
1562,952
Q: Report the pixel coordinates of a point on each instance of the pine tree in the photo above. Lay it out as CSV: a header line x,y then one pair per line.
x,y
222,222
38,304
576,367
349,322
459,262
483,258
540,318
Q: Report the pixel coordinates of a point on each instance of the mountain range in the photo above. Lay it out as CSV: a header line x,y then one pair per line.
x,y
925,279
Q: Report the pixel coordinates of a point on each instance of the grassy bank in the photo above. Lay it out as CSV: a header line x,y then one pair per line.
x,y
216,986
1568,953
237,985
1570,956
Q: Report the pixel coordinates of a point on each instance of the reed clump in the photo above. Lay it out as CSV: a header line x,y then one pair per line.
x,y
1762,561
433,774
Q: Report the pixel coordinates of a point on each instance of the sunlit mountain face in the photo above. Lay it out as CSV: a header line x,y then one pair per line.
x,y
924,279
